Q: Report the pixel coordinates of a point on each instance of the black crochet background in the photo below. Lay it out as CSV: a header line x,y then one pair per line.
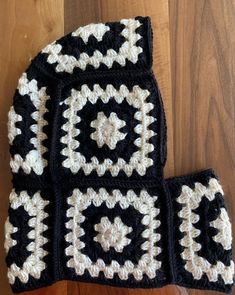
x,y
111,40
18,253
210,250
132,252
56,183
124,111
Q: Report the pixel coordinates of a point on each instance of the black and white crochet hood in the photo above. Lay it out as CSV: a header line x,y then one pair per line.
x,y
90,203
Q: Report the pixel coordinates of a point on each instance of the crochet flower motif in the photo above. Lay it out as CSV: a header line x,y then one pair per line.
x,y
112,234
107,130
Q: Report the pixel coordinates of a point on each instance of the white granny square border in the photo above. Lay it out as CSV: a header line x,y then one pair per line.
x,y
34,264
139,161
197,265
144,203
67,63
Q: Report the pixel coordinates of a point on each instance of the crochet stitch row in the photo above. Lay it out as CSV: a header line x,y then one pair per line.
x,y
87,134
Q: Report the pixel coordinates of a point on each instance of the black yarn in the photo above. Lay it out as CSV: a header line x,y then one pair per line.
x,y
57,183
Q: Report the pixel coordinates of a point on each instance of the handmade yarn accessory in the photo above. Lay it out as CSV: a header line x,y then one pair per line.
x,y
87,134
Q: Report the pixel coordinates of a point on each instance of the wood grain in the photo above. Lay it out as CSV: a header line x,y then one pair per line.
x,y
202,69
194,45
25,27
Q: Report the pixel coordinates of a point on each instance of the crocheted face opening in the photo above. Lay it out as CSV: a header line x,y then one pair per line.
x,y
87,136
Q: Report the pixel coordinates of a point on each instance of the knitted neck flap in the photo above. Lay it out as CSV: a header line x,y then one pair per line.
x,y
87,136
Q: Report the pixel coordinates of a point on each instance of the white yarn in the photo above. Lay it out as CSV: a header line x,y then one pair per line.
x,y
13,118
9,229
34,264
139,161
29,163
112,234
223,224
197,265
34,159
96,30
128,50
144,203
107,130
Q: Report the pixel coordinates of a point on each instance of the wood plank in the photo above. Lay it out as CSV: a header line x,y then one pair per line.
x,y
26,26
202,67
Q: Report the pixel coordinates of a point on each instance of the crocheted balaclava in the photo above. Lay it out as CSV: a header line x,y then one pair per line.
x,y
87,137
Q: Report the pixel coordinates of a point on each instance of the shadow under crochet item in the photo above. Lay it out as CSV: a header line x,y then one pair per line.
x,y
90,203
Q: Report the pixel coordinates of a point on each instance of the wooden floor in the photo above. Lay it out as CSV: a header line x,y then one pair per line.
x,y
194,62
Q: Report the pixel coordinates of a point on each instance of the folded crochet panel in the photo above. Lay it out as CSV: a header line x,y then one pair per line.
x,y
87,136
